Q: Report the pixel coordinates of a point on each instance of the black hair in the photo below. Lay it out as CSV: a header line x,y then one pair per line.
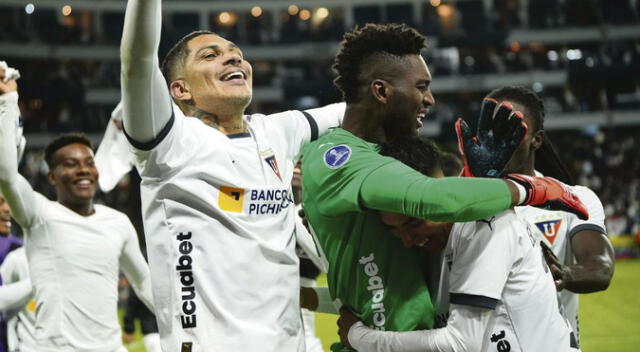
x,y
372,44
547,161
418,153
61,142
451,164
177,55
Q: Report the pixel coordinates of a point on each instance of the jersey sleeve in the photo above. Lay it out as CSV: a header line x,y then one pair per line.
x,y
481,259
302,127
596,213
145,97
172,149
134,267
366,180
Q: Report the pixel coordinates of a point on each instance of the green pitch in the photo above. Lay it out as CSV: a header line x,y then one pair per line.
x,y
609,321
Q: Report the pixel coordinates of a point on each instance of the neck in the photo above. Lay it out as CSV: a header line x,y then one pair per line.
x,y
364,122
84,209
225,123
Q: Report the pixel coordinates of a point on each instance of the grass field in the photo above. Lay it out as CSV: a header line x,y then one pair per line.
x,y
609,321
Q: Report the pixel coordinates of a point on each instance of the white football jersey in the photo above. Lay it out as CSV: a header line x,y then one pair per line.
x,y
557,228
497,264
74,263
22,323
220,228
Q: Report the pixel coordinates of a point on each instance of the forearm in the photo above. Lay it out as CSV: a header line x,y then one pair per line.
x,y
464,332
14,187
451,199
15,295
592,276
136,270
146,100
594,265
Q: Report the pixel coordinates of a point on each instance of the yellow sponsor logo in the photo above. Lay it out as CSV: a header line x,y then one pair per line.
x,y
231,199
31,306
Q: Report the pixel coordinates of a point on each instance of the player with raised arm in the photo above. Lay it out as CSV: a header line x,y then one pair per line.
x,y
495,291
580,254
75,248
216,190
385,83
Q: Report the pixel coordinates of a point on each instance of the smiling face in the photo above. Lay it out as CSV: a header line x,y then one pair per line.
x,y
409,100
74,174
5,217
215,77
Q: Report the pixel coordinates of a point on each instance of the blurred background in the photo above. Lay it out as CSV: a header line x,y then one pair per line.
x,y
581,56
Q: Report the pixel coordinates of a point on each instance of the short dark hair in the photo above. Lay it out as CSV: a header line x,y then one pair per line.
x,y
373,42
451,164
419,153
61,142
177,55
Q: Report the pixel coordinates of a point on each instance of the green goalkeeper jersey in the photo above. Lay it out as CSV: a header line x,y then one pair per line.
x,y
346,182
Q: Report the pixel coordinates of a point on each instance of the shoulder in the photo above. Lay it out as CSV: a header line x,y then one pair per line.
x,y
587,196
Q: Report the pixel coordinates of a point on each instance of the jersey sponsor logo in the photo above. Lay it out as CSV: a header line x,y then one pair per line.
x,y
270,158
185,272
269,201
231,199
376,288
259,201
549,229
337,156
502,345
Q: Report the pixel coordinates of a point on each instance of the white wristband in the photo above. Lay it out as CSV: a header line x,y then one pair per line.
x,y
522,192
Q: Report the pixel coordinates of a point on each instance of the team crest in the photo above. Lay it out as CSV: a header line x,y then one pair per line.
x,y
270,158
337,156
549,229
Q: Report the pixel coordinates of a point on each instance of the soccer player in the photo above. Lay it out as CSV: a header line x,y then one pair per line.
x,y
385,83
216,190
581,255
75,247
495,288
16,301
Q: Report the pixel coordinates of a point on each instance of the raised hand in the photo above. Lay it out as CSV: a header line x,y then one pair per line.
x,y
498,136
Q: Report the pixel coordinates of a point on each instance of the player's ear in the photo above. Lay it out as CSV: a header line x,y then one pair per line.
x,y
537,140
51,178
381,90
179,90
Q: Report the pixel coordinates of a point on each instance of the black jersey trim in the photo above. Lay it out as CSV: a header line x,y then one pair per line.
x,y
239,135
146,146
313,125
473,300
582,227
573,342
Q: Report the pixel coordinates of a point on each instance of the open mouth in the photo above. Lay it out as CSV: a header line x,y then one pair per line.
x,y
420,117
83,183
238,75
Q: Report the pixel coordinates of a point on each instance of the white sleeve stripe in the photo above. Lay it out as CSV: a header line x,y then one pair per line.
x,y
313,125
146,146
473,300
582,227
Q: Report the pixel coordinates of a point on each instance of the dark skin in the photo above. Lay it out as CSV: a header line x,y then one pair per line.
x,y
75,178
592,250
391,109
